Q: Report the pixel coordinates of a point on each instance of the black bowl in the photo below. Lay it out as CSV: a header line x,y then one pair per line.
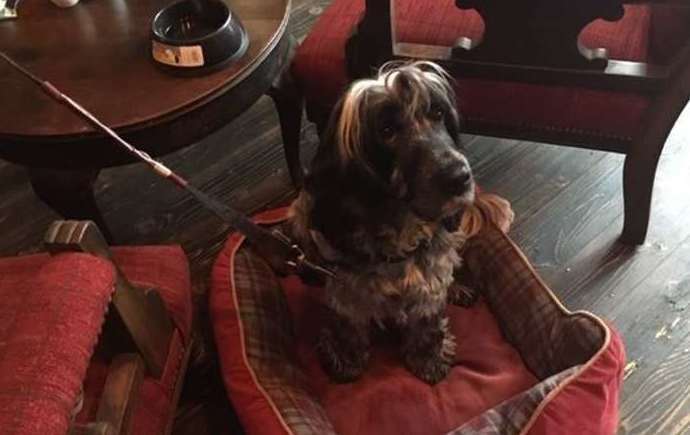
x,y
197,35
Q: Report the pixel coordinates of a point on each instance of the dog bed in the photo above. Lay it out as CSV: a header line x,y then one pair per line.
x,y
524,364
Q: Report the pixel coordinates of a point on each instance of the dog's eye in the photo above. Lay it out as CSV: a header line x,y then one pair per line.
x,y
436,113
387,132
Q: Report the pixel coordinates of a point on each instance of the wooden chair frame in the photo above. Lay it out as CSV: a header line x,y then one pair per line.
x,y
546,54
136,332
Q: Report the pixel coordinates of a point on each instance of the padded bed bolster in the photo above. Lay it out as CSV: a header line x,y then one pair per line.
x,y
524,364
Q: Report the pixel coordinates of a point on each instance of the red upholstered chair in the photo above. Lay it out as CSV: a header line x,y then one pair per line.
x,y
92,341
523,73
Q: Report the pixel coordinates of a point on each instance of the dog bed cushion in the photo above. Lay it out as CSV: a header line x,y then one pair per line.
x,y
524,364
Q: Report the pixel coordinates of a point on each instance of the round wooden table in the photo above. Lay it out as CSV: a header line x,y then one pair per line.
x,y
98,52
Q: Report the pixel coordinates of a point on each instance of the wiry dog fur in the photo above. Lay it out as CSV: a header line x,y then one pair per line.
x,y
381,205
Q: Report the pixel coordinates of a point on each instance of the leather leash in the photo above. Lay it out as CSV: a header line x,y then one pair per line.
x,y
282,254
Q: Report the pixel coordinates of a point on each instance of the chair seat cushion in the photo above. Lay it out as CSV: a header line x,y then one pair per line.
x,y
51,312
584,115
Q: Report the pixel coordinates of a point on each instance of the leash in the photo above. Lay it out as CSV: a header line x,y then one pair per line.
x,y
279,250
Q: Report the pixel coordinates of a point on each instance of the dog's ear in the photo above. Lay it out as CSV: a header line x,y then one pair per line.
x,y
328,184
333,168
326,167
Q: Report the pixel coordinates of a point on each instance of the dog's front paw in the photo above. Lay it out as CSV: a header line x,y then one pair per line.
x,y
431,369
341,362
429,349
461,295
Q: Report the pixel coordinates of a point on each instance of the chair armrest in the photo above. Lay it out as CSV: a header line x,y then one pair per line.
x,y
138,319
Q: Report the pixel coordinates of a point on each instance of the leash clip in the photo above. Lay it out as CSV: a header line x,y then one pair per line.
x,y
298,261
301,263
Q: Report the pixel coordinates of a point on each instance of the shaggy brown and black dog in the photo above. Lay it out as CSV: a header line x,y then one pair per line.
x,y
381,205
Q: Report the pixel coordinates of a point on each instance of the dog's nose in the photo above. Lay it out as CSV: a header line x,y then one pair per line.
x,y
457,181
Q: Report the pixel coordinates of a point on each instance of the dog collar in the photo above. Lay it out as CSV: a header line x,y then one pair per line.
x,y
335,257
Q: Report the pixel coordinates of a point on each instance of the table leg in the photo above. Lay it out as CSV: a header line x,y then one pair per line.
x,y
70,194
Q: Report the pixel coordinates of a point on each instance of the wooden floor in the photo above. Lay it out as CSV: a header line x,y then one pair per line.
x,y
569,214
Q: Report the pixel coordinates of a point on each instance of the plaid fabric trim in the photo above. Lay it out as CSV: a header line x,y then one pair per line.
x,y
510,417
549,338
268,335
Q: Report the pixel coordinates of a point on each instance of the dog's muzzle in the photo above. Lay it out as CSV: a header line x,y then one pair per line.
x,y
457,181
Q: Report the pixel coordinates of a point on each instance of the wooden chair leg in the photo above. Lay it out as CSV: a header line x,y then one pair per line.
x,y
643,156
290,105
638,185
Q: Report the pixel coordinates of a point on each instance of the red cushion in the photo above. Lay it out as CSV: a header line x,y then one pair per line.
x,y
319,67
475,383
51,311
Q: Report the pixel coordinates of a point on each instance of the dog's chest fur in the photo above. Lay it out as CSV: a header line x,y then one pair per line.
x,y
413,284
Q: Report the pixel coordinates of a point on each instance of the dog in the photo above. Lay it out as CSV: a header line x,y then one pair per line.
x,y
381,205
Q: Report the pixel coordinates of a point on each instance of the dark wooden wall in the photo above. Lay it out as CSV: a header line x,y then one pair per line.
x,y
569,214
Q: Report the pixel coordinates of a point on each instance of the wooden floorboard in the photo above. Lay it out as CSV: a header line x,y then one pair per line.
x,y
568,206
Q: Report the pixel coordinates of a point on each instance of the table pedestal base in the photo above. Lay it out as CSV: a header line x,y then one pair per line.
x,y
70,194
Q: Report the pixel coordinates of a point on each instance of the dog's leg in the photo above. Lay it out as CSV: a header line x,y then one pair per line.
x,y
343,349
461,295
462,292
429,348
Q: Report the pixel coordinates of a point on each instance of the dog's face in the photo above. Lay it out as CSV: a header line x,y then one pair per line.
x,y
401,131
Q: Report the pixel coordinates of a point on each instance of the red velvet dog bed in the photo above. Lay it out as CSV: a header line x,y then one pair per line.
x,y
524,364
